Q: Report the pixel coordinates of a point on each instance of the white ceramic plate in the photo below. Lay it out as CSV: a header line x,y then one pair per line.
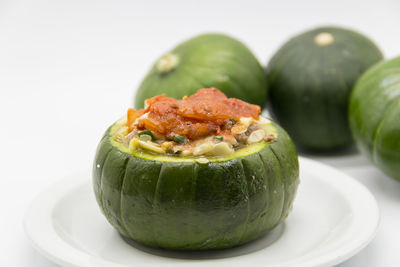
x,y
334,217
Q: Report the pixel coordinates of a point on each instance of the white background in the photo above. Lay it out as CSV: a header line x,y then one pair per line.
x,y
68,69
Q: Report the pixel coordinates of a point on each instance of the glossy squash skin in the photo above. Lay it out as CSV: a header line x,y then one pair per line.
x,y
208,60
310,80
375,115
182,204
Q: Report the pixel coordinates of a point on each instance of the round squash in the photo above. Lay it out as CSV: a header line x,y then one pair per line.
x,y
374,115
310,80
208,60
188,204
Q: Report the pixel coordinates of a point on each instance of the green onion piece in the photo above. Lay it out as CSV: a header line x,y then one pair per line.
x,y
233,121
219,138
145,137
146,132
180,139
169,150
178,152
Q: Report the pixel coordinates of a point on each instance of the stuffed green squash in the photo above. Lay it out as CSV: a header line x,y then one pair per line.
x,y
203,172
375,115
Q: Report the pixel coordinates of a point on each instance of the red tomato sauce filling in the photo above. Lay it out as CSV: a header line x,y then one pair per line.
x,y
207,112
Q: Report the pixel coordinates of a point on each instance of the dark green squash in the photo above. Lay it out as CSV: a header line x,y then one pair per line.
x,y
208,60
179,203
310,80
374,115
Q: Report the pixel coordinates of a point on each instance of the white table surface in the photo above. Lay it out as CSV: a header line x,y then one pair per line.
x,y
68,69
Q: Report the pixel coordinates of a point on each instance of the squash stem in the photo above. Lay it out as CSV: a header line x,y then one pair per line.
x,y
167,63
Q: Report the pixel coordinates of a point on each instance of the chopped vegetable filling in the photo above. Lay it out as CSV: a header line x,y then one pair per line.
x,y
204,124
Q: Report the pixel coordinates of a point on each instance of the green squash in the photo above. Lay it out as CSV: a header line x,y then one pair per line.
x,y
208,60
310,80
374,115
186,204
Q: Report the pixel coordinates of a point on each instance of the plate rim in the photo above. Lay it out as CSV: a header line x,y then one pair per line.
x,y
52,246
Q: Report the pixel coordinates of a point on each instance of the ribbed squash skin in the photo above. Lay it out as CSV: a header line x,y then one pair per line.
x,y
208,60
375,115
310,85
193,206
